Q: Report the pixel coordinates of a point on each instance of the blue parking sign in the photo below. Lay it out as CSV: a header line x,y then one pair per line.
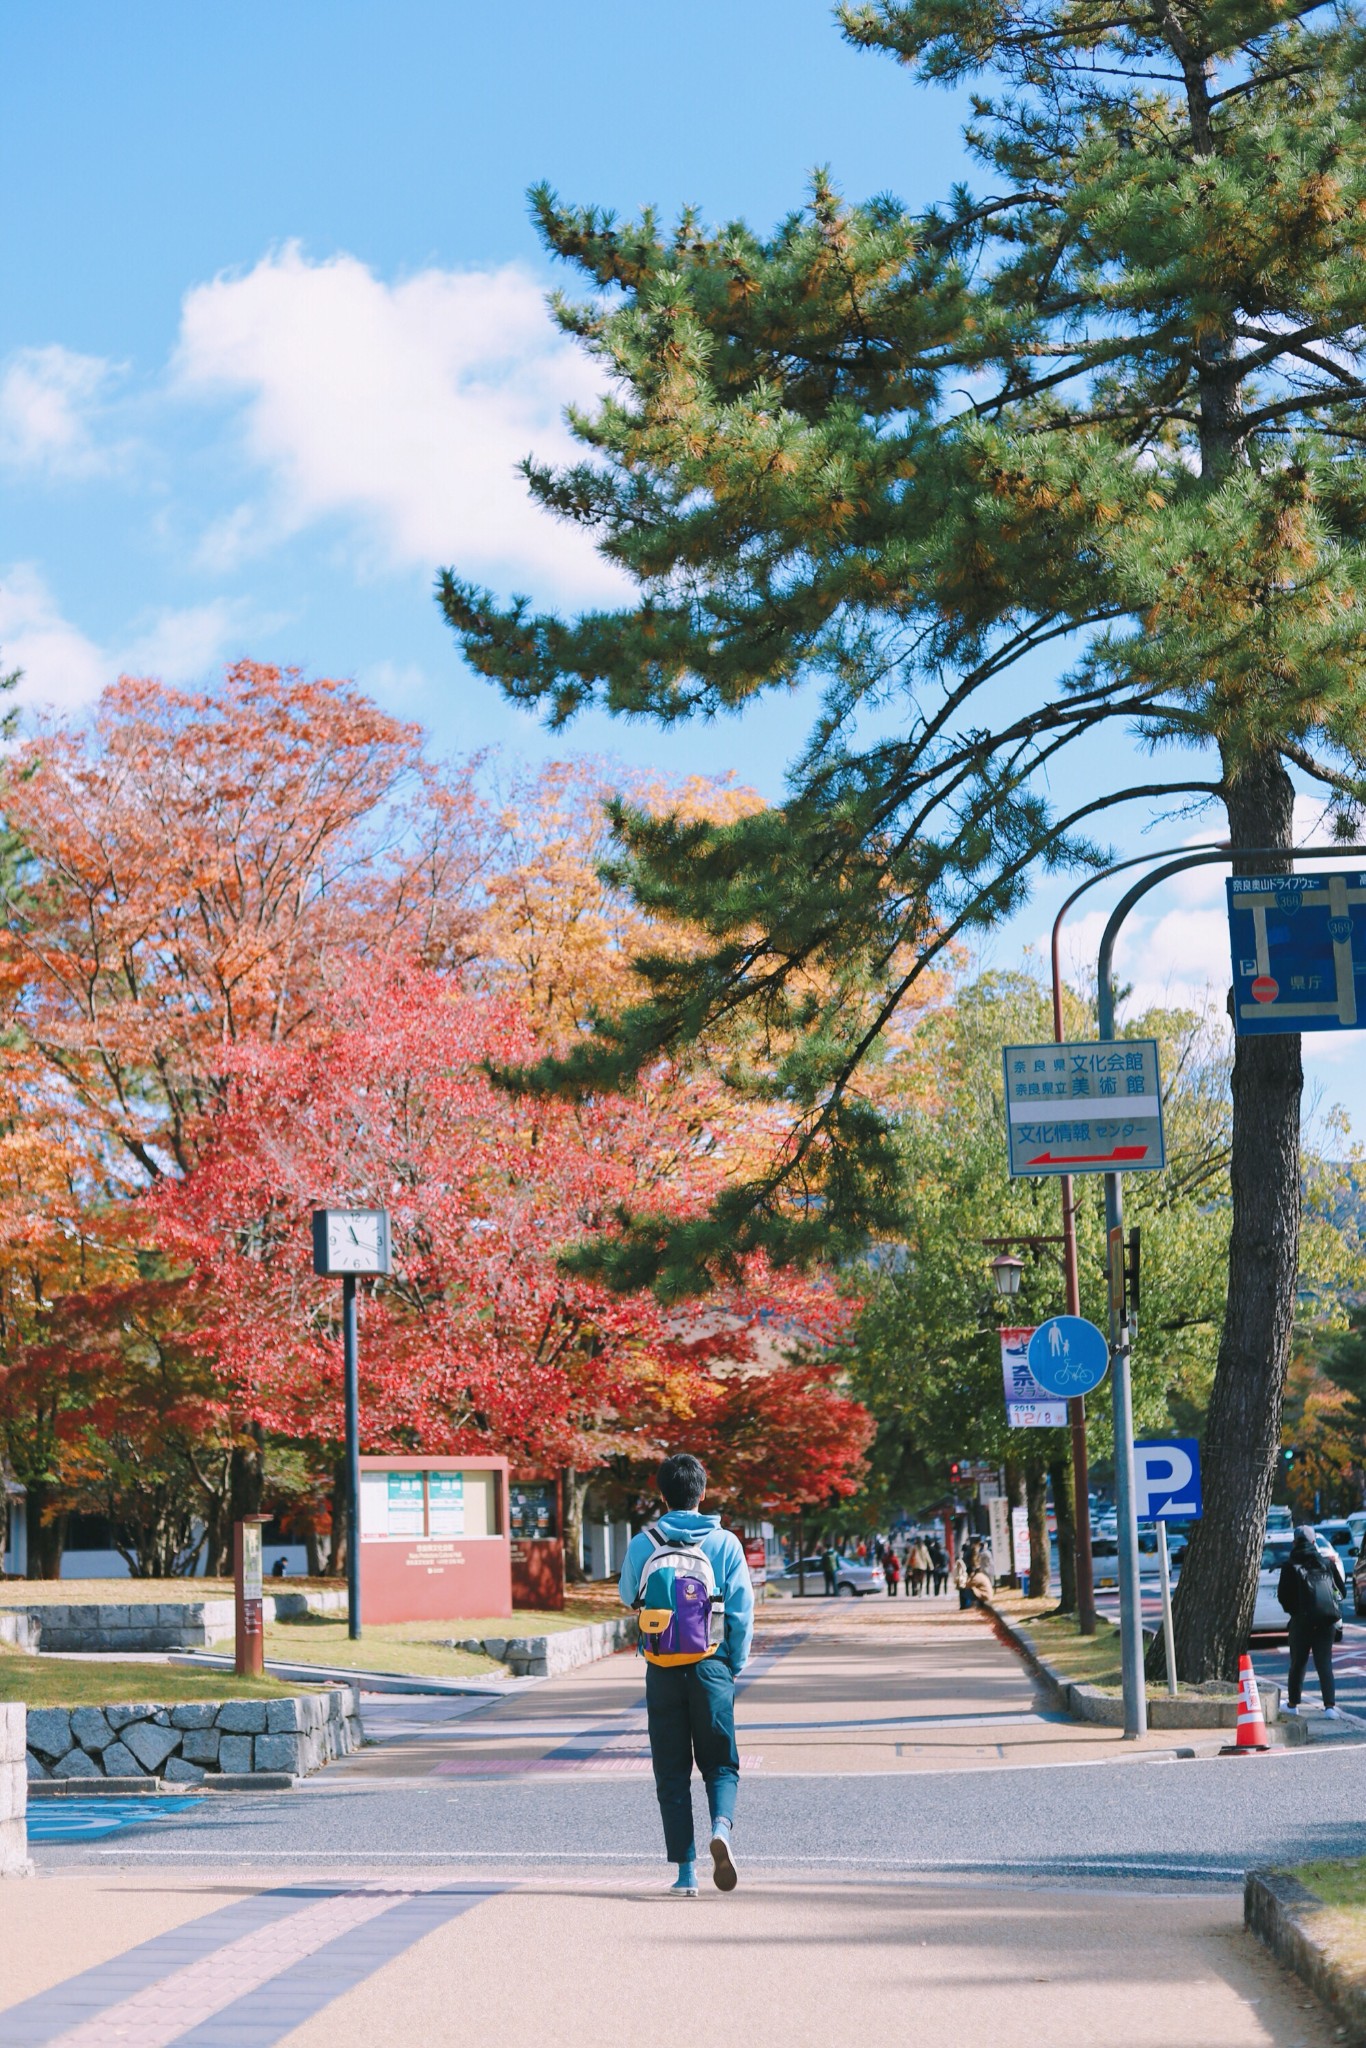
x,y
1167,1479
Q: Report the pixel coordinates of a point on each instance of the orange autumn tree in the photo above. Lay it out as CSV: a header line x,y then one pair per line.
x,y
480,1340
202,870
196,872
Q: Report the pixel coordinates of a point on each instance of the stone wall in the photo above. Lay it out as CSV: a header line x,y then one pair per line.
x,y
133,1624
558,1650
201,1739
13,1793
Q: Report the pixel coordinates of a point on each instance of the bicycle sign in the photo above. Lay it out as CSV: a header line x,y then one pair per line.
x,y
1068,1356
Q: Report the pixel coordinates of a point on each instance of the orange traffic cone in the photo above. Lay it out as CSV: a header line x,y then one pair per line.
x,y
1251,1726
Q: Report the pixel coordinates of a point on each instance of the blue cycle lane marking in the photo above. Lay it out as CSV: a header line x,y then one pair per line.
x,y
90,1820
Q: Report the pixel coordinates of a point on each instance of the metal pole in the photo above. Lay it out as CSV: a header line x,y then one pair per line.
x,y
352,1457
1122,1403
1131,1620
1076,1409
1168,1632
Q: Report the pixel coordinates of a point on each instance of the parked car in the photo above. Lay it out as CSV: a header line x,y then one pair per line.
x,y
1279,1522
854,1579
1357,1524
1105,1557
1269,1618
1339,1534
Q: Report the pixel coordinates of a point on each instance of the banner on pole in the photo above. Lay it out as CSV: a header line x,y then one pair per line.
x,y
1027,1405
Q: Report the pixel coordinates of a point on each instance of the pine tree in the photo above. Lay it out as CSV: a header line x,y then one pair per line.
x,y
1001,472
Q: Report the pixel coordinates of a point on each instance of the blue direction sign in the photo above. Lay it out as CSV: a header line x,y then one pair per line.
x,y
1167,1479
1299,952
1093,1107
1068,1356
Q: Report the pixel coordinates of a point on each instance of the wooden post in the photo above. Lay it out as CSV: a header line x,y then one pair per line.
x,y
249,1597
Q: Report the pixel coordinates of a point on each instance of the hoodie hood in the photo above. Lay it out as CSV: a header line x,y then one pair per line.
x,y
686,1522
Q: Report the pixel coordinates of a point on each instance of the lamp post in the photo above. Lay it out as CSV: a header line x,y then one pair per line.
x,y
351,1243
1006,1275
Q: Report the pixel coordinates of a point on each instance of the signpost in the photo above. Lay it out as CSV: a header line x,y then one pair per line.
x,y
248,1598
351,1242
1166,1489
1027,1403
1084,1108
1296,959
1068,1356
1019,1543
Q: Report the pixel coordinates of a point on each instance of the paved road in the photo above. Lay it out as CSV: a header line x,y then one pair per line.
x,y
901,1740
926,1853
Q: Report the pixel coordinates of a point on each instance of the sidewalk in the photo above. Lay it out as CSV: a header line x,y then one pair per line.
x,y
833,1688
324,1964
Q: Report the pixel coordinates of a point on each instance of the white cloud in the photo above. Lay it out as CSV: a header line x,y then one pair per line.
x,y
48,398
403,406
1173,947
63,669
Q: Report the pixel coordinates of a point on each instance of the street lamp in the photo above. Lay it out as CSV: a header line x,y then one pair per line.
x,y
1006,1275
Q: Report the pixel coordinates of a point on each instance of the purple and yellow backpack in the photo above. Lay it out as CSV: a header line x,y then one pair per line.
x,y
675,1601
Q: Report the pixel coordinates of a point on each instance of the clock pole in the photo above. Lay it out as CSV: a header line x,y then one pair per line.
x,y
352,1457
346,1243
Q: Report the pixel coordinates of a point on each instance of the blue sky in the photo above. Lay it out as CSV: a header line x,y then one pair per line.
x,y
272,337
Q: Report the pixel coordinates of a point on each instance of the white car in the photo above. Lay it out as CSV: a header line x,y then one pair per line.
x,y
1269,1618
1339,1534
1105,1558
854,1578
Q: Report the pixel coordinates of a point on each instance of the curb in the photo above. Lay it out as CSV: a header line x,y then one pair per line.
x,y
1081,1702
154,1788
1279,1910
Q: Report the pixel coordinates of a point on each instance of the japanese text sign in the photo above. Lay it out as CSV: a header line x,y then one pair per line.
x,y
1093,1107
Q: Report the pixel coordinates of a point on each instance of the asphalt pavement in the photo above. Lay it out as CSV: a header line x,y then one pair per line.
x,y
926,1850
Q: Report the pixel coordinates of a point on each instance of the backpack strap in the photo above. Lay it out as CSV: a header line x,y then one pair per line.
x,y
652,1531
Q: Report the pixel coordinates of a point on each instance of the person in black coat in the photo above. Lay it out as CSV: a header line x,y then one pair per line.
x,y
1311,1590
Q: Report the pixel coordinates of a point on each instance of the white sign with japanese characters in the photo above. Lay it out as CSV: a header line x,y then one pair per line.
x,y
1094,1107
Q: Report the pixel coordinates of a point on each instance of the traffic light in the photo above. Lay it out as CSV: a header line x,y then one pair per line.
x,y
1288,1454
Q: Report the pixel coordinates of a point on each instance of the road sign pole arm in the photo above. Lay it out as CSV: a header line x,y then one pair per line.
x,y
1105,995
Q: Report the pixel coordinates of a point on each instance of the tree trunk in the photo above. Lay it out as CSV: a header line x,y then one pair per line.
x,y
247,1476
1060,1478
1214,1601
1036,1500
336,1563
1017,1497
575,1494
46,1534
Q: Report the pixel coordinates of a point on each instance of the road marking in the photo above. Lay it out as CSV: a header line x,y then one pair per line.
x,y
598,1763
243,1977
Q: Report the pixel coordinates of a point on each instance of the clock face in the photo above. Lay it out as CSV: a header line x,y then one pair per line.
x,y
357,1241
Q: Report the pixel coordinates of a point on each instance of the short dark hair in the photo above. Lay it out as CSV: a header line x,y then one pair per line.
x,y
682,1480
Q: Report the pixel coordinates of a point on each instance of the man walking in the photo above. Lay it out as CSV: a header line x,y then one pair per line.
x,y
679,1572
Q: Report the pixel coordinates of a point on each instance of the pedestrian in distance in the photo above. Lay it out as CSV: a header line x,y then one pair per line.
x,y
892,1569
1311,1590
680,1574
830,1565
960,1579
939,1565
918,1559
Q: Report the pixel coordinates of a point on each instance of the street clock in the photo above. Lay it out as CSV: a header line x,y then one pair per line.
x,y
351,1241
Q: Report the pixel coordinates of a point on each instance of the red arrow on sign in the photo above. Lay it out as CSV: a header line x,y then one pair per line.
x,y
1120,1153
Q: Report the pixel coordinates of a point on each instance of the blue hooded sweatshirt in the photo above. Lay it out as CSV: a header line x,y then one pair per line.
x,y
721,1547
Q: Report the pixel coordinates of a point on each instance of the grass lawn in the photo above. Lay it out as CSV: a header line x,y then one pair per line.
x,y
1090,1660
1340,1928
412,1648
419,1648
125,1592
104,1681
